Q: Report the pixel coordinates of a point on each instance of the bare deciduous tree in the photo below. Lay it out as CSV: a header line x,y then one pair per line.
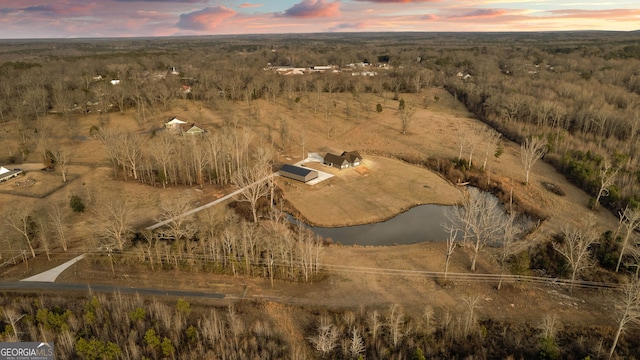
x,y
575,247
356,344
199,158
451,227
491,140
12,316
428,317
509,232
114,221
130,150
480,219
471,303
395,322
474,136
628,310
57,214
307,251
253,181
405,113
62,157
373,321
549,327
21,220
630,218
174,210
119,94
327,337
634,252
42,233
606,177
531,150
162,151
462,139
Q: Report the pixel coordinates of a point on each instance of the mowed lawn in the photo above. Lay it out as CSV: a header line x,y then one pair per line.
x,y
377,190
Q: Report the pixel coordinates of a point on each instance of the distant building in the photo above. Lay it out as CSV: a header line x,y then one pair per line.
x,y
322,67
345,160
192,130
174,124
353,157
182,127
336,161
298,173
290,71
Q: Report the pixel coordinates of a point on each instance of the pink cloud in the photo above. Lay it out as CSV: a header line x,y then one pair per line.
x,y
165,1
57,9
249,5
621,14
398,1
313,9
430,17
103,18
479,14
206,19
348,26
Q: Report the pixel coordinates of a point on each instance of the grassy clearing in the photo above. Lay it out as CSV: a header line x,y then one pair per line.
x,y
379,189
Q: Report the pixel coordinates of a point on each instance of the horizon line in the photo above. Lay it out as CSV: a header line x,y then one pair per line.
x,y
325,33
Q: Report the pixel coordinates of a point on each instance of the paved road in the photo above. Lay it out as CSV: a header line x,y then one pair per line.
x,y
32,285
52,274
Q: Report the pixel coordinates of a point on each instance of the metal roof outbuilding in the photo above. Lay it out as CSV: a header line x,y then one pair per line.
x,y
298,173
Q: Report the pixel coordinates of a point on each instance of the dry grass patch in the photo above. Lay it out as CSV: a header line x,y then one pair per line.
x,y
40,184
385,188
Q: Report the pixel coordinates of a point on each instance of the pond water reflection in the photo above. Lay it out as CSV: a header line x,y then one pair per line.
x,y
418,224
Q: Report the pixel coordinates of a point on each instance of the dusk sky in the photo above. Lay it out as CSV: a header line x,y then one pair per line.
x,y
117,18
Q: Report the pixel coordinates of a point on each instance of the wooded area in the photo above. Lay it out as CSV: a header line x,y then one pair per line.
x,y
121,326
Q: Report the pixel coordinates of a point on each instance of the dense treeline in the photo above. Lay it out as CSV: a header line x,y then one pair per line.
x,y
584,102
121,326
272,248
169,159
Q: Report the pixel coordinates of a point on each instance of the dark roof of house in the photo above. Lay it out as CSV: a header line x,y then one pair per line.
x,y
334,159
351,156
296,170
192,128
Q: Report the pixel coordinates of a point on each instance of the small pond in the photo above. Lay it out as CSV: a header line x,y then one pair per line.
x,y
418,224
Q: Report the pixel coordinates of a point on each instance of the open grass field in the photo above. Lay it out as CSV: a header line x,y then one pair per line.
x,y
379,188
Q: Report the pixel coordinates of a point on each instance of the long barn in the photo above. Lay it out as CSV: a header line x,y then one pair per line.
x,y
298,173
